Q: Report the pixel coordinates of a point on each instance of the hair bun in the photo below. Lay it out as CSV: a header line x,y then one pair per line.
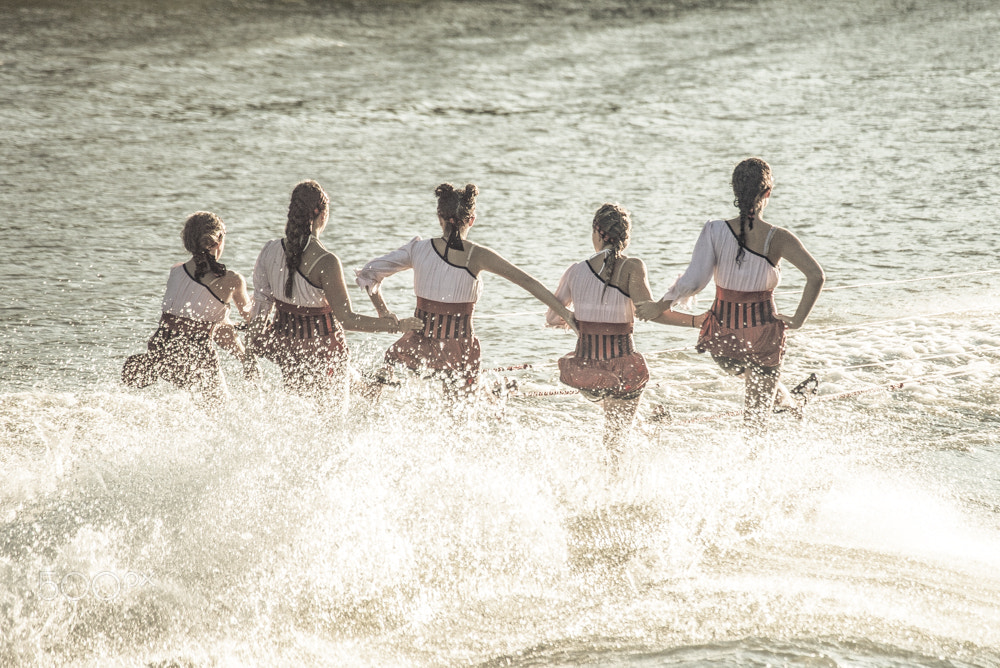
x,y
444,189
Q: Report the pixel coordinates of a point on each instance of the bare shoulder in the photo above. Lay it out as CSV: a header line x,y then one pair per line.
x,y
786,245
784,239
479,248
234,278
328,262
633,264
483,257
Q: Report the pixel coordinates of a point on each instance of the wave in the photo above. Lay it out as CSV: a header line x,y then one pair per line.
x,y
130,523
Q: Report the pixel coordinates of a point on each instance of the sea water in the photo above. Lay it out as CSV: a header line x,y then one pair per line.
x,y
139,528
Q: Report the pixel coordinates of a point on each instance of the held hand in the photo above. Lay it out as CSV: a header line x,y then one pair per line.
x,y
410,324
571,322
649,310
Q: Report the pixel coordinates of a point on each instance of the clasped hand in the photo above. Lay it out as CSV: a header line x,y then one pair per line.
x,y
649,310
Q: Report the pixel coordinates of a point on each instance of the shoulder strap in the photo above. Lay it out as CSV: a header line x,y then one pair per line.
x,y
616,277
305,270
767,241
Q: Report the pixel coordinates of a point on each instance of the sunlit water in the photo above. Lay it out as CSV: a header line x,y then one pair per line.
x,y
138,528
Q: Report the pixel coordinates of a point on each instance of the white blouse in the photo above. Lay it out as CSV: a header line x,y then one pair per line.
x,y
188,298
434,277
592,301
714,257
269,275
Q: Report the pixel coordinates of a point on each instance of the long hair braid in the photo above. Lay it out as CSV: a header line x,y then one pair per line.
x,y
613,224
751,179
308,201
202,232
456,208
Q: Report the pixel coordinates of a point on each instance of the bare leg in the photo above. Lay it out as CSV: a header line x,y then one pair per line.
x,y
760,392
334,391
618,417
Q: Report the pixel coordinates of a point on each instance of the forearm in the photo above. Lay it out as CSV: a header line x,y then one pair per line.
x,y
556,307
542,294
652,310
810,294
553,319
676,318
379,303
357,322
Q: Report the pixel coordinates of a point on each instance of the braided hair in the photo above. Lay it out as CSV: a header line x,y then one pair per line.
x,y
308,201
751,179
613,224
456,208
202,232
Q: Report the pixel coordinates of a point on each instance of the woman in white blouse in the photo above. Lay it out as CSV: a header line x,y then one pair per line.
x,y
744,331
605,366
302,282
447,283
195,312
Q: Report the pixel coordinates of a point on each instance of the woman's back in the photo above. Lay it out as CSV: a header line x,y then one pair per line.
x,y
593,300
754,272
188,298
271,273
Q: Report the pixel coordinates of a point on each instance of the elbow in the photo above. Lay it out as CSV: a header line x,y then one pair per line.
x,y
819,279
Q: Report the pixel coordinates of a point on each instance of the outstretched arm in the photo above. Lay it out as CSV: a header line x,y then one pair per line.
x,y
638,287
791,248
565,297
330,273
489,260
380,306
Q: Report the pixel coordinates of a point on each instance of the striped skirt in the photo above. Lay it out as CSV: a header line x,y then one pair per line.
x,y
307,343
741,327
446,343
605,363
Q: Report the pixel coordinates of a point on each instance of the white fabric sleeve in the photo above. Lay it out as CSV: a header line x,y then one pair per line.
x,y
263,295
370,276
564,294
698,273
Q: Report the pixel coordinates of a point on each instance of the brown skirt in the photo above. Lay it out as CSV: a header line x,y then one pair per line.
x,y
180,352
309,346
447,343
605,364
741,327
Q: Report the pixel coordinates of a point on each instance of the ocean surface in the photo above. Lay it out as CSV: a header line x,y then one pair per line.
x,y
139,528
